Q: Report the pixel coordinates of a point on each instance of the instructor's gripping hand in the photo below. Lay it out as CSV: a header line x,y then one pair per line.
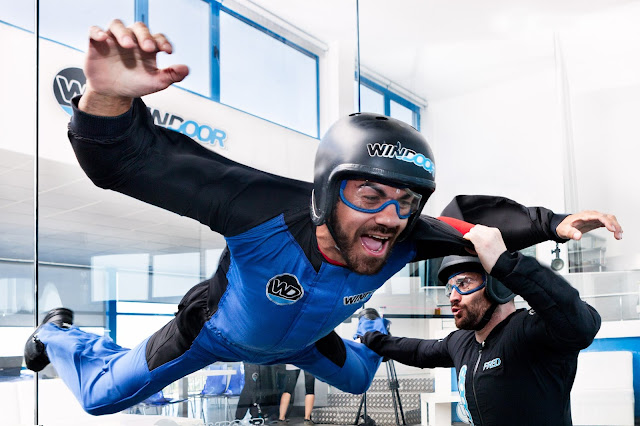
x,y
488,244
120,65
574,225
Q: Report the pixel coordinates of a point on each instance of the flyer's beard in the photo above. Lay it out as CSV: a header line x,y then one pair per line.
x,y
348,246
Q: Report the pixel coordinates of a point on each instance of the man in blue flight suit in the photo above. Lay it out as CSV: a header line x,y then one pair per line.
x,y
287,277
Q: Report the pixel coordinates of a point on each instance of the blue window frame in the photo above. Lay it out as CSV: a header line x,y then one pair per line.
x,y
266,75
376,98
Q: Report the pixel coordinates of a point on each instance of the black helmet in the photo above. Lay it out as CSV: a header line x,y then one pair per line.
x,y
495,290
371,146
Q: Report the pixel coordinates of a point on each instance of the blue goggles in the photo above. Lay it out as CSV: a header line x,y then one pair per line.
x,y
373,197
464,285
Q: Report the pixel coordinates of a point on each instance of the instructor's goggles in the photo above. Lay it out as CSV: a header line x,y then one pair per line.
x,y
464,284
373,197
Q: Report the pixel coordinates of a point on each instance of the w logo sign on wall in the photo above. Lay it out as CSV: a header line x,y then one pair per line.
x,y
67,84
284,289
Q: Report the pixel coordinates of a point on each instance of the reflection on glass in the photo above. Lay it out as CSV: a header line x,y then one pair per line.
x,y
120,277
175,274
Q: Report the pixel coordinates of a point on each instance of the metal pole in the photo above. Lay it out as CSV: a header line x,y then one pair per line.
x,y
36,166
358,51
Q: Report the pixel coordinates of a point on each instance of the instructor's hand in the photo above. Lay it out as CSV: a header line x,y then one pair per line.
x,y
120,65
488,244
574,225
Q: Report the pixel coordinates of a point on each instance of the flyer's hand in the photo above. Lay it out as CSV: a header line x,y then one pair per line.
x,y
488,244
574,225
120,65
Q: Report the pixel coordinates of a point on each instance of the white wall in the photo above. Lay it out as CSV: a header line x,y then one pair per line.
x,y
508,138
499,140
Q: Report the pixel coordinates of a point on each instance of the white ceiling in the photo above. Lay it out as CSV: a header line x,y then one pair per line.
x,y
441,48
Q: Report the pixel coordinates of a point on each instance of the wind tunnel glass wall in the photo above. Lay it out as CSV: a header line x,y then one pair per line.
x,y
121,265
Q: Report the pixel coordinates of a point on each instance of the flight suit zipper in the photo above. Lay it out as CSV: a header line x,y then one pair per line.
x,y
475,369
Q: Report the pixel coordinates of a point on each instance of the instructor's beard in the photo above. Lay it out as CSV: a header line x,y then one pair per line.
x,y
473,313
360,263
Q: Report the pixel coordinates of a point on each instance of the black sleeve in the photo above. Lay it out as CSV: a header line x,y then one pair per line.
x,y
521,226
560,319
414,352
131,155
434,238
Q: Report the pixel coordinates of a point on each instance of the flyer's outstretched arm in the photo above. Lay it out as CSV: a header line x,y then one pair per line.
x,y
120,65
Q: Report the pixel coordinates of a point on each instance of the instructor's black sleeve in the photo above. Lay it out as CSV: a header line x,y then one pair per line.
x,y
560,319
520,226
414,352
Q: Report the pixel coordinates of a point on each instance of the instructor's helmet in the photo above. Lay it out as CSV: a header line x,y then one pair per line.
x,y
376,147
496,291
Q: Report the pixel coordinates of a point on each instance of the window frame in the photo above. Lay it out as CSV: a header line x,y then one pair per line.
x,y
142,14
389,96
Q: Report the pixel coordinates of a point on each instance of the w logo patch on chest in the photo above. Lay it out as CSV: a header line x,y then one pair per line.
x,y
284,289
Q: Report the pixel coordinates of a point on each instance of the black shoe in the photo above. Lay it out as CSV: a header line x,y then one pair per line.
x,y
35,356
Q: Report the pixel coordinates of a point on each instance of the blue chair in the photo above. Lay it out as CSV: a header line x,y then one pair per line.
x,y
236,381
159,402
234,388
214,388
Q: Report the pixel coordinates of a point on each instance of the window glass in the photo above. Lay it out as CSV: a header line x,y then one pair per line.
x,y
186,24
375,98
68,21
370,100
266,77
402,113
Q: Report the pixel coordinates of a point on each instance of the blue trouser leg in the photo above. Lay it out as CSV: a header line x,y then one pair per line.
x,y
354,376
106,378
